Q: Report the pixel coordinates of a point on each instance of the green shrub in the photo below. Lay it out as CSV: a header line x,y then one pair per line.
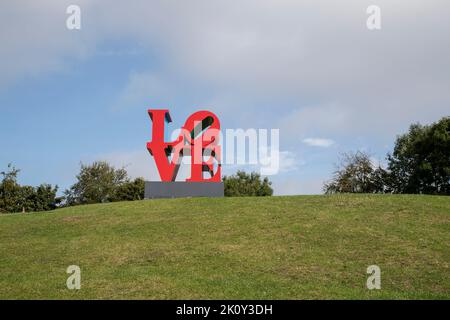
x,y
242,184
129,191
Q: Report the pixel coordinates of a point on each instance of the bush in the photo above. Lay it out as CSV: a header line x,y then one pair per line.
x,y
129,191
242,184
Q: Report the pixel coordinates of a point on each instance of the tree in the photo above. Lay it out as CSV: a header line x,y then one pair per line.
x,y
10,190
356,173
97,183
17,198
100,182
420,162
44,198
242,184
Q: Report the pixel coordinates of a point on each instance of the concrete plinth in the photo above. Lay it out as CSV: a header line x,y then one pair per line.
x,y
182,189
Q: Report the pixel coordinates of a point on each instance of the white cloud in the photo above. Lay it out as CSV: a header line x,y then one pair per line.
x,y
296,51
138,163
35,40
142,89
318,142
289,161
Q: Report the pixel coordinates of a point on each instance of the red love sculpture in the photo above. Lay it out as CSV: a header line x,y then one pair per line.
x,y
199,137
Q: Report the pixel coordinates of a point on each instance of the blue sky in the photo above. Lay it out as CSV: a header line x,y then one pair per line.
x,y
309,68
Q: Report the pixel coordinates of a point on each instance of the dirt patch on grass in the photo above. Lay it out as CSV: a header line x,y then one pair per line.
x,y
73,219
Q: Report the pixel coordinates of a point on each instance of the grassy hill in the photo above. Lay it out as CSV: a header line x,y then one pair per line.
x,y
302,247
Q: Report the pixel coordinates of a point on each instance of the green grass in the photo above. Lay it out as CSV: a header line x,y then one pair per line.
x,y
302,247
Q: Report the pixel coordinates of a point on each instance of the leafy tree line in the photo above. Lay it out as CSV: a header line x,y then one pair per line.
x,y
96,183
419,163
17,198
100,182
